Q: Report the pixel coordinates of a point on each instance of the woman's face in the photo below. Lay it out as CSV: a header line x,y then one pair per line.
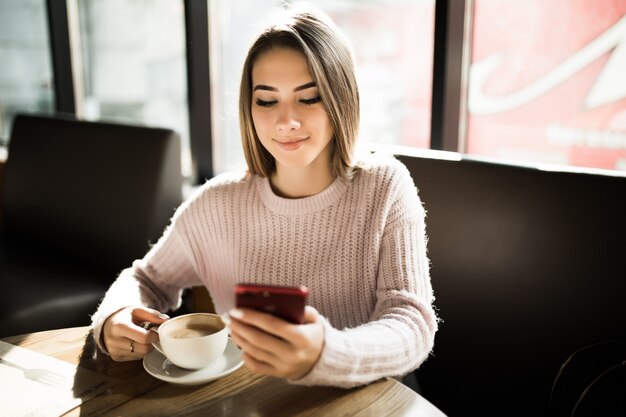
x,y
288,114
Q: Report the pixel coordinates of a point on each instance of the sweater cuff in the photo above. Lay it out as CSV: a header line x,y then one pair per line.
x,y
331,365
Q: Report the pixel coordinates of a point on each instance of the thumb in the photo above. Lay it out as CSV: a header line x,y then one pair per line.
x,y
143,314
310,315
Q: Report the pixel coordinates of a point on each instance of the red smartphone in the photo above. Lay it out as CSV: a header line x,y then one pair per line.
x,y
285,302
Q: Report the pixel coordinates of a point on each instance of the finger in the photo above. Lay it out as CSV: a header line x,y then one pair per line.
x,y
267,322
143,314
136,332
295,335
259,341
310,315
259,367
119,331
264,345
256,335
142,349
121,351
255,351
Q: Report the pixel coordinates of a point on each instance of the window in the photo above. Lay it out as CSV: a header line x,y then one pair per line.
x,y
547,82
393,45
134,63
26,70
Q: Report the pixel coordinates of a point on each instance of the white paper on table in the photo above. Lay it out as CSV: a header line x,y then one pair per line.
x,y
42,396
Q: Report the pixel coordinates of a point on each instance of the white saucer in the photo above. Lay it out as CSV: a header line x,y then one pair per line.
x,y
160,367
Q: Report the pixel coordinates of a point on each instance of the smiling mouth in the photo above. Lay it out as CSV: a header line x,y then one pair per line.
x,y
290,144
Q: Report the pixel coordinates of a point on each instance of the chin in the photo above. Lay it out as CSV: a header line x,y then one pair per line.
x,y
293,163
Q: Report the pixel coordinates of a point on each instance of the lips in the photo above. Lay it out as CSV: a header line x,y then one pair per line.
x,y
291,144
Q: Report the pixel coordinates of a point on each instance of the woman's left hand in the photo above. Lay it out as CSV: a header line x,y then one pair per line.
x,y
275,347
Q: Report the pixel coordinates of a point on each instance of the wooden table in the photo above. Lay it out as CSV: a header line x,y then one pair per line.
x,y
242,393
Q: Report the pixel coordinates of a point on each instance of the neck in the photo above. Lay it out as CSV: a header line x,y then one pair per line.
x,y
301,182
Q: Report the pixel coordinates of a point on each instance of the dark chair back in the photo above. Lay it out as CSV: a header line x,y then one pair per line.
x,y
81,200
528,265
98,192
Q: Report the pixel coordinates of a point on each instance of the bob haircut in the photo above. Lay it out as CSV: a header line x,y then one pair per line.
x,y
331,65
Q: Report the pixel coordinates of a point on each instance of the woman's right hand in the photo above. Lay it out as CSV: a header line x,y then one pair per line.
x,y
124,337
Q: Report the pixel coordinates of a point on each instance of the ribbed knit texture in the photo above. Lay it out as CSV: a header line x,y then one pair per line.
x,y
359,246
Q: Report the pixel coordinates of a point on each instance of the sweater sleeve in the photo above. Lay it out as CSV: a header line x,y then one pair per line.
x,y
400,333
156,281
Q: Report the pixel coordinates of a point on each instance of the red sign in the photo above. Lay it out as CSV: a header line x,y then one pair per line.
x,y
548,82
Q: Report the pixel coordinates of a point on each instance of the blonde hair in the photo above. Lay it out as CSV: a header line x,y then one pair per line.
x,y
331,65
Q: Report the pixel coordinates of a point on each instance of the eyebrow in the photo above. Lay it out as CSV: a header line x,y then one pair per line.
x,y
299,88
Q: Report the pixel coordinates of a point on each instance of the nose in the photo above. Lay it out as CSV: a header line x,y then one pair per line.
x,y
287,119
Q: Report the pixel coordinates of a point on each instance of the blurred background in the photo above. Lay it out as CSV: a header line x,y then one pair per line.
x,y
534,81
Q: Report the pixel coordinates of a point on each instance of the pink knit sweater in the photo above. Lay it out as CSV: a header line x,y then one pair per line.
x,y
359,246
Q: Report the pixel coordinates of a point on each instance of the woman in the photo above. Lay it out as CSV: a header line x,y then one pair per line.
x,y
303,214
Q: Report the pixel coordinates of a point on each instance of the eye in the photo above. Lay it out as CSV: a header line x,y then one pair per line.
x,y
264,103
310,101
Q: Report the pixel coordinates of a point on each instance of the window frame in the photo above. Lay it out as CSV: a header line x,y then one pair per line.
x,y
449,91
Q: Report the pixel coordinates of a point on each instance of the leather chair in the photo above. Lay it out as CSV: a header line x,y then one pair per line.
x,y
81,200
528,265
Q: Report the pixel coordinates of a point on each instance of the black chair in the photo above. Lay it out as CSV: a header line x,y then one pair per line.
x,y
81,200
528,265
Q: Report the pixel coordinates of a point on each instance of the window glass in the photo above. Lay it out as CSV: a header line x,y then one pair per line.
x,y
26,70
393,45
134,64
547,82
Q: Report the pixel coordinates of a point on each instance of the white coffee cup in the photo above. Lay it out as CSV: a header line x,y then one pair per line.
x,y
193,341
